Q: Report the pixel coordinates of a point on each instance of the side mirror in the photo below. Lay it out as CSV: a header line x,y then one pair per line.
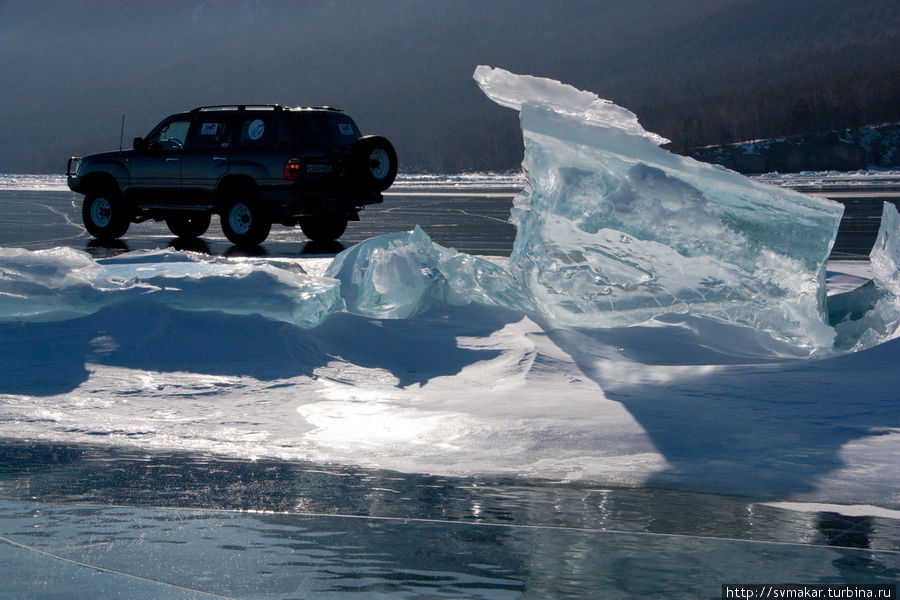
x,y
138,143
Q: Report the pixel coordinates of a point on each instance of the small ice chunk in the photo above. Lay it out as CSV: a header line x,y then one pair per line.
x,y
397,275
613,230
58,282
389,276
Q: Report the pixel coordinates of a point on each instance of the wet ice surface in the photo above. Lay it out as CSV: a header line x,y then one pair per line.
x,y
184,526
140,552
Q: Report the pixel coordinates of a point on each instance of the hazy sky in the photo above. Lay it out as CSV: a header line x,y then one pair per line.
x,y
402,68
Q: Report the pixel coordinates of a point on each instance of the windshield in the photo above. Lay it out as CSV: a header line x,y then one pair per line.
x,y
325,129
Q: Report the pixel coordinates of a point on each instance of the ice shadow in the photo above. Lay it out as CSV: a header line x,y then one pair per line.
x,y
746,423
43,359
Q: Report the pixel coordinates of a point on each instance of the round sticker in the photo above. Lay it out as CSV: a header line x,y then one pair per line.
x,y
256,129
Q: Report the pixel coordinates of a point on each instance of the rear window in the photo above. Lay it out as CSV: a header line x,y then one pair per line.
x,y
325,129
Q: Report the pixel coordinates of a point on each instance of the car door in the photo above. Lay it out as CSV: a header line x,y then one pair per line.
x,y
206,157
156,168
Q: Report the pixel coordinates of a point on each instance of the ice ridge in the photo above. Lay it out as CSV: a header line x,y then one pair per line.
x,y
62,283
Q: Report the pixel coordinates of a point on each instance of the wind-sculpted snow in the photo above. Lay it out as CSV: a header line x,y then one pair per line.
x,y
62,283
398,275
613,230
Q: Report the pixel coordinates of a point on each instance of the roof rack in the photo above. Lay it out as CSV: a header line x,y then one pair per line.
x,y
275,107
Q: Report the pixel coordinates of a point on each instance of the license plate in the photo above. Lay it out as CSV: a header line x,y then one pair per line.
x,y
318,168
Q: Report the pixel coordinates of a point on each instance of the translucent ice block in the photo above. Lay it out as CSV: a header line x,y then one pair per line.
x,y
885,254
614,230
398,275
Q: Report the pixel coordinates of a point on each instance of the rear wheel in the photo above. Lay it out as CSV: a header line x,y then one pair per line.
x,y
188,226
243,220
326,228
104,214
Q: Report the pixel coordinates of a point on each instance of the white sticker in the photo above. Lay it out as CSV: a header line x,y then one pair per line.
x,y
346,128
209,129
256,129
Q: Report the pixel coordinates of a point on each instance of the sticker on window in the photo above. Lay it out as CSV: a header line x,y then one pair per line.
x,y
256,129
345,128
209,129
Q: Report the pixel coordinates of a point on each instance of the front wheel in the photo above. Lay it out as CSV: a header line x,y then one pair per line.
x,y
324,228
105,216
244,222
188,226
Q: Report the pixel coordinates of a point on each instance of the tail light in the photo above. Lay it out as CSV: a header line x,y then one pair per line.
x,y
292,169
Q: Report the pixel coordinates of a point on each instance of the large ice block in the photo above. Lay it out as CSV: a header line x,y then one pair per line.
x,y
614,230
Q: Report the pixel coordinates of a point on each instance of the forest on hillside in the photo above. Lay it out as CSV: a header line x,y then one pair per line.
x,y
699,73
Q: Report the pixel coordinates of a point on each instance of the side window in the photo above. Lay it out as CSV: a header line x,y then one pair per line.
x,y
257,131
171,136
210,134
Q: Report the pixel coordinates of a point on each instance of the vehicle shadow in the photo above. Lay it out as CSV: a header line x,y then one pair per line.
x,y
322,248
106,248
197,245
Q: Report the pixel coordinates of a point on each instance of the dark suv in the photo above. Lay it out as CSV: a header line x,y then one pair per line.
x,y
254,165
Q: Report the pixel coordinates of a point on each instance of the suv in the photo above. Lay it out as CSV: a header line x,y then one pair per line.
x,y
254,165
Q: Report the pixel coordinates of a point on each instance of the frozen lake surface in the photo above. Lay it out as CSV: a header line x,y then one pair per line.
x,y
466,212
153,452
106,523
